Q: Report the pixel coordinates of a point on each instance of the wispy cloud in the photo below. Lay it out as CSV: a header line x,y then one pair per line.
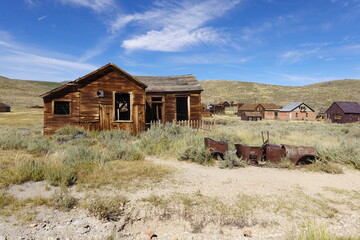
x,y
20,61
96,5
172,27
30,3
295,56
43,17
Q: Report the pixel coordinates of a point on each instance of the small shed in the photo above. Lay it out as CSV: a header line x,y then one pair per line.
x,y
224,103
4,107
249,107
343,112
296,111
270,110
251,116
217,109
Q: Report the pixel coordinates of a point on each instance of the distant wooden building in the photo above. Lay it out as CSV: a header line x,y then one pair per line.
x,y
4,107
110,98
217,109
296,111
343,112
224,103
205,111
251,116
266,110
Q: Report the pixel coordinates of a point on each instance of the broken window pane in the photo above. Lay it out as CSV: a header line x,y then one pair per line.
x,y
122,106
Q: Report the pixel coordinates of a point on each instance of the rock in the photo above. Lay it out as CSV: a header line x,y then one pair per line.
x,y
3,238
33,225
247,233
150,235
84,228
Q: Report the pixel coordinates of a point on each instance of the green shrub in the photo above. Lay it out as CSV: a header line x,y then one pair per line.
x,y
28,170
107,208
76,155
68,133
231,160
39,145
15,142
63,200
167,139
60,175
199,155
109,137
124,151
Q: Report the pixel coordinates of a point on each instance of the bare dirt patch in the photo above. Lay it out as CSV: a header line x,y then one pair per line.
x,y
204,202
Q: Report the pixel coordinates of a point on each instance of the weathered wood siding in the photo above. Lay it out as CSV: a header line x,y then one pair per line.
x,y
53,122
335,114
97,113
169,105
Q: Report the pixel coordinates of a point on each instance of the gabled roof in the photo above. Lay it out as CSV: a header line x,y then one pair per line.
x,y
248,107
223,102
171,83
269,106
4,105
150,83
291,106
349,107
94,74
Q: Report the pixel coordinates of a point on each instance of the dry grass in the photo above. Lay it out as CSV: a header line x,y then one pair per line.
x,y
316,95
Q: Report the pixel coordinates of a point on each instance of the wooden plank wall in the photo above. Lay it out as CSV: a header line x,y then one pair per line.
x,y
85,105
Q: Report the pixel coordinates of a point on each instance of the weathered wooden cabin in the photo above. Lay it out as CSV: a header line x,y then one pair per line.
x,y
251,116
110,98
265,110
343,112
4,107
217,109
224,103
296,111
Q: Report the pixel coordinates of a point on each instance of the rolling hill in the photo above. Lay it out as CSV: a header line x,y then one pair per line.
x,y
23,93
319,95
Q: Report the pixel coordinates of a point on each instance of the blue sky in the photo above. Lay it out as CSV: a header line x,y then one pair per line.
x,y
286,42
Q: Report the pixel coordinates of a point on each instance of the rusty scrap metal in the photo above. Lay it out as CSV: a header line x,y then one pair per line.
x,y
299,155
272,153
216,148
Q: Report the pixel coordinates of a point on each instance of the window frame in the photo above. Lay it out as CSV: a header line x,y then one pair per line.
x,y
61,115
131,107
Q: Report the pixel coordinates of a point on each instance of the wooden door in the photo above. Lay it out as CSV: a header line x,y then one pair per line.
x,y
105,117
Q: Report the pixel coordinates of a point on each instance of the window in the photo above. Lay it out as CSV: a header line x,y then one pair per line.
x,y
296,114
61,107
122,107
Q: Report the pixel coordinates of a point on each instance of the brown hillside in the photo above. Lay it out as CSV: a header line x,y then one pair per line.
x,y
319,95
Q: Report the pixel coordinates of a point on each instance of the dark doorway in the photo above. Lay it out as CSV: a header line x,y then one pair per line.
x,y
182,109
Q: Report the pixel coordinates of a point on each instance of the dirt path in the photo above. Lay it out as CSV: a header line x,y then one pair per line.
x,y
289,197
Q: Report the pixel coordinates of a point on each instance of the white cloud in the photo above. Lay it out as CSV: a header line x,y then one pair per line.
x,y
294,56
96,5
42,18
30,3
174,26
19,61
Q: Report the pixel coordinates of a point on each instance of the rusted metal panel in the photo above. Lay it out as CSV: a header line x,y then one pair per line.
x,y
274,153
249,154
217,148
298,154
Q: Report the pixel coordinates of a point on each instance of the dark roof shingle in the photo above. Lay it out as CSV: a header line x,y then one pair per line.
x,y
349,107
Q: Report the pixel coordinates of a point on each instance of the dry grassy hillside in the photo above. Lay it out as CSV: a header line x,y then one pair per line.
x,y
319,95
22,93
